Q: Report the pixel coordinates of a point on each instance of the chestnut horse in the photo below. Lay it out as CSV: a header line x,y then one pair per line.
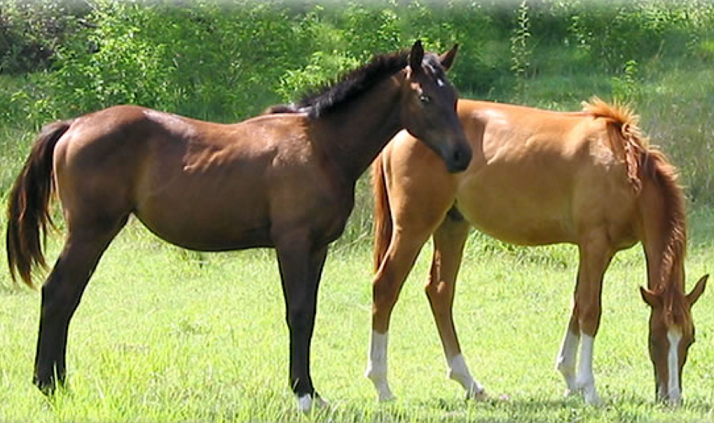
x,y
538,177
282,180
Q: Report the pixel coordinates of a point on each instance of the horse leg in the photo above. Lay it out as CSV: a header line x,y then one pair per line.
x,y
398,261
567,356
300,271
595,256
61,295
449,241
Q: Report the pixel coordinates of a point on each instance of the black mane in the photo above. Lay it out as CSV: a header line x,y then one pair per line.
x,y
347,87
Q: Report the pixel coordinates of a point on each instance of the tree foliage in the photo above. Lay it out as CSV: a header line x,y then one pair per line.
x,y
227,60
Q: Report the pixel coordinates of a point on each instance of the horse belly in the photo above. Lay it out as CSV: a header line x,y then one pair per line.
x,y
510,212
208,219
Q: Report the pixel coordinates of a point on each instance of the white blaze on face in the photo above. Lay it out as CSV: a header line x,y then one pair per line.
x,y
673,394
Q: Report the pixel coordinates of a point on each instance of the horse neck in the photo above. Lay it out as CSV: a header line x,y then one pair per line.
x,y
355,134
663,237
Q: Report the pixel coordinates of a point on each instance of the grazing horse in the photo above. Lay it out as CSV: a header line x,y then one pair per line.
x,y
281,180
537,177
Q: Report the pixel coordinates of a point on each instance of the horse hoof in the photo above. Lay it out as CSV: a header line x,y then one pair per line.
x,y
46,387
320,402
306,402
478,396
593,399
386,397
569,393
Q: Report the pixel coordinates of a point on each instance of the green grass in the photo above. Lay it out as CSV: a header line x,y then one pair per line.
x,y
164,335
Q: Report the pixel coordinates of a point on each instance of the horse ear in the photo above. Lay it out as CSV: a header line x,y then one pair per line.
x,y
693,296
650,297
416,56
447,59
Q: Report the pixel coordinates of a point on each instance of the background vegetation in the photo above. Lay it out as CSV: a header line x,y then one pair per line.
x,y
226,61
186,351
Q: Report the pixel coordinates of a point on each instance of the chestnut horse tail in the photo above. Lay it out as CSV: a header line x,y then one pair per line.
x,y
382,213
28,211
626,138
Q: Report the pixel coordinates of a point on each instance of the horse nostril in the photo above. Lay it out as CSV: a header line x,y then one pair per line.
x,y
457,157
460,159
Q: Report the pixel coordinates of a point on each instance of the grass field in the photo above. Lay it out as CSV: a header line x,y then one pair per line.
x,y
163,335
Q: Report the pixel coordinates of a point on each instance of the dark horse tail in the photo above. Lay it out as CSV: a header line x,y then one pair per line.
x,y
28,211
382,213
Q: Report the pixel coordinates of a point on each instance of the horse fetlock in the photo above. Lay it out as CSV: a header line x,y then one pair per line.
x,y
586,387
565,364
385,394
459,371
378,376
375,373
591,396
567,370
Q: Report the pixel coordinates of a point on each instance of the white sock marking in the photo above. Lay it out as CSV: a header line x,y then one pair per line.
x,y
305,403
377,365
585,379
459,371
673,393
566,359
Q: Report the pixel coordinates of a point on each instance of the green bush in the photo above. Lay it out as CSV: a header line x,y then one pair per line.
x,y
228,60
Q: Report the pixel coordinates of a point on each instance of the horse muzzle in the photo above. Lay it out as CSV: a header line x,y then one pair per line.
x,y
458,159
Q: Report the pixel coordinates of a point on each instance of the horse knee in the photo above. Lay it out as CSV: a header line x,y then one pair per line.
x,y
301,320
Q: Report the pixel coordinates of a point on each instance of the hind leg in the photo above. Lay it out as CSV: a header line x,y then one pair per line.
x,y
449,241
61,294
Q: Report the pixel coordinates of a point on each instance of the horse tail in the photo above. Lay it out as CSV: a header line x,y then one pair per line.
x,y
382,213
28,211
626,138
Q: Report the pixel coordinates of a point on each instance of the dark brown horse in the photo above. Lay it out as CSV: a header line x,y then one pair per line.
x,y
538,177
282,180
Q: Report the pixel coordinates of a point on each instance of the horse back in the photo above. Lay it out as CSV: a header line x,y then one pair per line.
x,y
197,184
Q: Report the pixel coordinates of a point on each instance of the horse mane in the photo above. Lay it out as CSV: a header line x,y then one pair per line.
x,y
646,161
351,85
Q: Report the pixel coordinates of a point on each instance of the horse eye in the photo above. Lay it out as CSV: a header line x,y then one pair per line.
x,y
425,98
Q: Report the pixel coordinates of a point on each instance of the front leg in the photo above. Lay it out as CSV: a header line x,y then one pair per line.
x,y
300,270
393,271
567,356
595,256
